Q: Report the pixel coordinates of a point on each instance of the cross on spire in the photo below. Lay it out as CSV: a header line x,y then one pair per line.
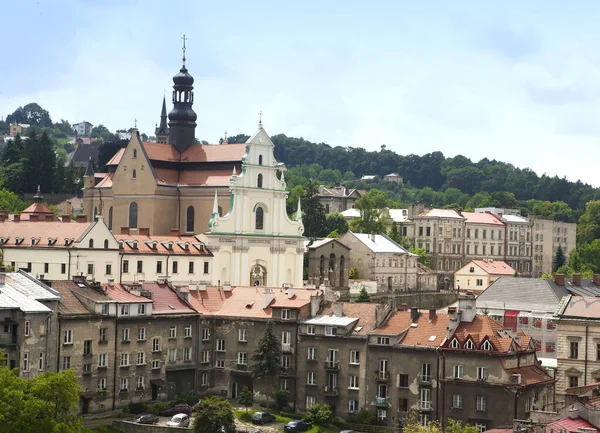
x,y
225,135
135,123
183,49
260,113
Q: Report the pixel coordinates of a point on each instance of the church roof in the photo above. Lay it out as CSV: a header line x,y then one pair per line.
x,y
196,153
193,177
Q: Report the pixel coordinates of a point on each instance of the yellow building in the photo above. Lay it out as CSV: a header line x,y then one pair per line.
x,y
477,275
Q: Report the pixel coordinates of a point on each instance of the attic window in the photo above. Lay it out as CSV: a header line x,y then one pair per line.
x,y
470,345
186,246
120,245
454,344
35,241
51,241
472,269
135,245
19,241
3,240
486,345
68,241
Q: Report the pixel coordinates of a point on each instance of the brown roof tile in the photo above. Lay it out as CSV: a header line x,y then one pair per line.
x,y
37,208
497,267
531,374
166,301
196,153
45,231
144,243
209,300
119,293
69,304
419,335
193,177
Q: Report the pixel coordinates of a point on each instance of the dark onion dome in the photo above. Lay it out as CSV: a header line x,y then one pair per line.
x,y
183,78
182,112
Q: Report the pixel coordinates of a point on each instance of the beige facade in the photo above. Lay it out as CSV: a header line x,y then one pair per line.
x,y
328,263
547,236
477,275
338,198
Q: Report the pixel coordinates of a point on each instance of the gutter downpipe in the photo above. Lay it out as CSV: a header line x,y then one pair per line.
x,y
69,266
585,364
440,379
114,399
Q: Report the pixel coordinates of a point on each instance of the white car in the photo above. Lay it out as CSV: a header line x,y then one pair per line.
x,y
179,420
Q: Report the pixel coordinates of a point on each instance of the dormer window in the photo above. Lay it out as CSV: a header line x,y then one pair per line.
x,y
384,341
470,345
19,241
330,331
454,344
486,345
120,245
135,245
3,240
91,243
35,241
51,241
286,314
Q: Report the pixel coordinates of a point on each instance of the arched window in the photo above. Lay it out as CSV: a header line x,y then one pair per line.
x,y
259,159
135,153
259,181
486,345
105,243
91,243
133,215
470,345
189,221
133,174
259,218
110,217
220,211
342,270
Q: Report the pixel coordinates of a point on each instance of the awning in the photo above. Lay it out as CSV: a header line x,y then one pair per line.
x,y
88,394
158,382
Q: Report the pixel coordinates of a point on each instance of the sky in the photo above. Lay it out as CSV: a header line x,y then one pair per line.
x,y
512,81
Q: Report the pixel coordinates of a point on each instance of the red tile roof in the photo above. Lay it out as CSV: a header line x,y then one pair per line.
x,y
570,425
37,208
116,159
531,374
44,231
366,314
484,328
106,181
193,177
196,153
209,300
166,301
496,267
420,335
482,218
144,245
119,293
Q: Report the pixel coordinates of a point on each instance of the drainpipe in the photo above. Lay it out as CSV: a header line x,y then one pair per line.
x,y
441,401
69,266
59,345
121,268
114,399
585,365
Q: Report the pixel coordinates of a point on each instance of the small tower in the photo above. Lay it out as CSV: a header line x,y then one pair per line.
x,y
89,180
38,197
162,131
182,118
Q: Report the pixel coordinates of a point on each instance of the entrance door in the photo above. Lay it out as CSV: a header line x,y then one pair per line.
x,y
154,392
234,390
85,405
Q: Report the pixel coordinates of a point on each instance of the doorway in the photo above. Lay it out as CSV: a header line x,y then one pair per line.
x,y
234,390
154,392
85,405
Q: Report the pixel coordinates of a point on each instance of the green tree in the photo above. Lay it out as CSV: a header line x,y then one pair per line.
x,y
319,414
422,256
32,114
313,216
39,162
559,259
336,222
414,426
588,227
363,296
334,234
394,233
214,415
267,355
353,273
282,398
369,221
10,202
246,398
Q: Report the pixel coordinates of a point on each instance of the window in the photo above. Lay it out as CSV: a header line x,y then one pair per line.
x,y
486,345
124,360
330,331
286,314
537,322
155,364
573,381
103,333
172,355
133,174
139,383
140,266
259,159
426,372
124,309
481,373
205,334
220,345
354,357
123,382
458,371
383,340
102,358
425,398
63,268
312,353
141,334
190,267
155,345
259,181
469,345
90,269
353,406
310,400
91,243
133,215
286,338
381,415
125,335
479,282
480,427
550,325
173,332
175,267
243,335
403,380
26,361
41,363
457,401
310,329
523,320
205,356
481,403
286,362
189,222
46,267
125,266
353,382
108,269
204,379
66,362
141,358
27,328
68,336
454,344
259,218
187,353
311,378
141,309
573,350
206,267
187,331
102,383
220,363
284,384
87,347
159,267
242,358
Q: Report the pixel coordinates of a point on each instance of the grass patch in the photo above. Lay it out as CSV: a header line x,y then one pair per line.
x,y
244,416
283,419
320,429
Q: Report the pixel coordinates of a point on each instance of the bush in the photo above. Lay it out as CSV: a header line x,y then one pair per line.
x,y
291,415
320,414
282,398
137,408
363,416
158,407
244,416
190,399
353,273
340,423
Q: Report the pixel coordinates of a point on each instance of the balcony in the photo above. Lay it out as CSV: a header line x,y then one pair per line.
x,y
332,365
382,376
287,348
330,391
286,372
425,405
425,379
381,402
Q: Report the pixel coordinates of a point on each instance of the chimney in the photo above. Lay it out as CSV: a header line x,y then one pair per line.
x,y
559,279
2,276
432,314
596,279
381,312
68,208
268,297
175,232
66,218
124,230
414,314
49,218
17,218
145,231
338,309
290,292
466,307
577,279
403,307
315,303
82,218
184,293
573,412
372,237
33,218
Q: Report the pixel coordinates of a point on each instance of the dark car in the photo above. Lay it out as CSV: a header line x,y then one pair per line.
x,y
297,426
262,418
146,418
178,408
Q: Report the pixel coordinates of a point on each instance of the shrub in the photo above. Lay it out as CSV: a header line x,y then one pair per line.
x,y
320,414
136,408
363,416
282,398
353,273
158,407
341,424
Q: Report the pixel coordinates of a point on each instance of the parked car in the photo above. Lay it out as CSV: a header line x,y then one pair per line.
x,y
262,418
178,408
297,426
179,420
146,418
347,431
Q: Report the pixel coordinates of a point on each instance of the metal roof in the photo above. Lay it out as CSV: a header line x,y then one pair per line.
x,y
331,320
24,293
380,244
523,294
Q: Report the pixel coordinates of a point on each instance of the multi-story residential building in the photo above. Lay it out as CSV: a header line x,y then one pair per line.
x,y
378,258
578,342
328,262
29,323
548,235
83,128
484,236
477,275
393,177
519,244
17,129
337,198
332,357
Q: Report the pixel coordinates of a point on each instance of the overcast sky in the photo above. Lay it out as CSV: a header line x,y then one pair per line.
x,y
509,81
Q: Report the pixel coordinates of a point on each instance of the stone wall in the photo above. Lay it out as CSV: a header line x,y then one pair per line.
x,y
131,427
422,300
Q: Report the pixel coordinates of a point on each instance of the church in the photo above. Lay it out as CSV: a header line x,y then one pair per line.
x,y
230,196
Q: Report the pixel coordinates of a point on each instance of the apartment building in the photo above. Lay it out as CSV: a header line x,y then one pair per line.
x,y
332,362
519,246
484,236
548,235
378,258
29,323
477,275
337,198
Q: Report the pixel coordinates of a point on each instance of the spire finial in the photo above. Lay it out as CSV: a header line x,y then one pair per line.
x,y
215,205
234,173
183,49
299,211
225,135
135,122
38,198
260,113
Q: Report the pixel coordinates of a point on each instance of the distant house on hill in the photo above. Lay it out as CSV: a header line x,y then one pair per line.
x,y
83,128
86,148
393,177
338,198
368,177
